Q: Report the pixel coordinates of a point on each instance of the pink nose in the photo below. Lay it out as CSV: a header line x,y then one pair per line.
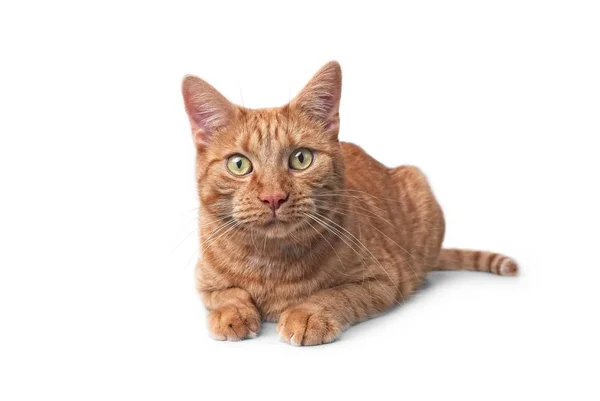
x,y
273,200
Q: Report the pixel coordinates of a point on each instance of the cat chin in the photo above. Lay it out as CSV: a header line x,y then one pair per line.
x,y
277,229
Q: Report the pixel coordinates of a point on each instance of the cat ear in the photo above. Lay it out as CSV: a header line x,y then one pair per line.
x,y
206,108
320,98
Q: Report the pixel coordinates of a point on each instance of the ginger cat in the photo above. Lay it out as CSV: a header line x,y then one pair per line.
x,y
299,228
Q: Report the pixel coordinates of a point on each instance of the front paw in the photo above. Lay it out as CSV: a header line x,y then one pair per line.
x,y
234,322
307,325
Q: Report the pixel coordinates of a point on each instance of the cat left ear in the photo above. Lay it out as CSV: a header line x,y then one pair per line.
x,y
206,108
320,98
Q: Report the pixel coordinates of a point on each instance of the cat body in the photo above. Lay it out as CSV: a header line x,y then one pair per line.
x,y
378,210
301,229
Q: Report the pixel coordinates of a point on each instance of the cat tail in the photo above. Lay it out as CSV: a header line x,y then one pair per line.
x,y
462,259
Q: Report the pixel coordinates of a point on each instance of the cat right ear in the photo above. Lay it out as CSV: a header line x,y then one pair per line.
x,y
320,98
207,109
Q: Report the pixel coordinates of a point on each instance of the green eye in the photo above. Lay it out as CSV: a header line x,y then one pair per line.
x,y
301,159
239,165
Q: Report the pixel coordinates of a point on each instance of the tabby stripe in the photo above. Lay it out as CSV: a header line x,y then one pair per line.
x,y
491,262
499,262
458,258
484,261
246,143
476,257
364,305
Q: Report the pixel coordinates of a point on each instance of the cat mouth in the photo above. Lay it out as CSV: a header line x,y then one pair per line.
x,y
277,223
273,221
276,227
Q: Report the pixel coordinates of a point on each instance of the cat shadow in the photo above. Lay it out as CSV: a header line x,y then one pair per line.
x,y
433,281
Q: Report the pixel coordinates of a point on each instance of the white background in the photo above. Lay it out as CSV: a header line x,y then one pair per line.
x,y
498,102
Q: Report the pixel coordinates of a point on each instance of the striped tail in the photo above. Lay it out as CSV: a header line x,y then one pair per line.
x,y
462,259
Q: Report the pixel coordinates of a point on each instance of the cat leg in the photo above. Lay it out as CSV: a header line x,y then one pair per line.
x,y
323,316
232,315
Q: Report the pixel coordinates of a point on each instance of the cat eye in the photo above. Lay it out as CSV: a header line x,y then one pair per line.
x,y
301,159
239,165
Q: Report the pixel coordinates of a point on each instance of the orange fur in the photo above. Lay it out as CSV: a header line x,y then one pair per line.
x,y
349,239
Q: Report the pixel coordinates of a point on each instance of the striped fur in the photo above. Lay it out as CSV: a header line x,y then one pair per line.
x,y
352,239
462,259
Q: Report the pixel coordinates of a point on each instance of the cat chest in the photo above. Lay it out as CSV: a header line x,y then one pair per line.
x,y
272,298
274,284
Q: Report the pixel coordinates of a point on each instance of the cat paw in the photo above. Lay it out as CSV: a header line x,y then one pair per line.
x,y
234,323
307,326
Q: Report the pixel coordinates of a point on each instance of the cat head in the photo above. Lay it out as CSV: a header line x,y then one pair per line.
x,y
267,169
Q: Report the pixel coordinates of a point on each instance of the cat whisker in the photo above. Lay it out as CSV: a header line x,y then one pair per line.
x,y
195,253
364,272
207,223
366,249
182,241
265,244
190,233
326,240
348,196
217,230
367,267
366,210
382,233
342,191
340,233
365,215
252,239
229,229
